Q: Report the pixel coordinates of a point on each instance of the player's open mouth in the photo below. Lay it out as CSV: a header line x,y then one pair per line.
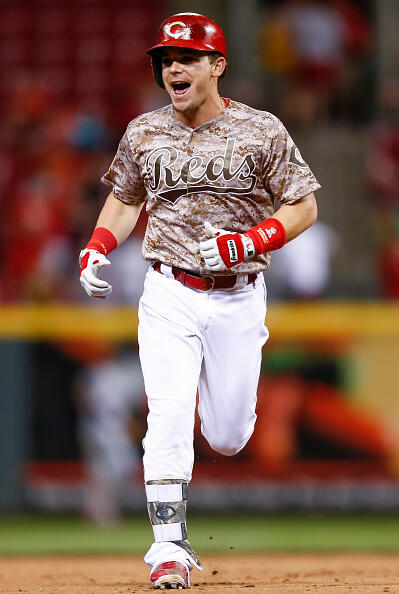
x,y
180,88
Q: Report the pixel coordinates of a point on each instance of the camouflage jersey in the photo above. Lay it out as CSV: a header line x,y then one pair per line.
x,y
233,171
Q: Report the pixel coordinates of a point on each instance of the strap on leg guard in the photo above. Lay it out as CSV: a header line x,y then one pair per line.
x,y
167,503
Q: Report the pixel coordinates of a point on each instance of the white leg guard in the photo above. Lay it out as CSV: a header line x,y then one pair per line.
x,y
167,502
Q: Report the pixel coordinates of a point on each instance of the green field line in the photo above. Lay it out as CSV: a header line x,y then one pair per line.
x,y
38,535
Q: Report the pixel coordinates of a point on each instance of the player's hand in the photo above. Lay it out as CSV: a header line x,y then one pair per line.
x,y
224,249
91,262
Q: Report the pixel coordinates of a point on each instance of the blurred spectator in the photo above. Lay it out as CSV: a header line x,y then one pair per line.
x,y
382,175
313,48
110,393
73,79
302,268
53,166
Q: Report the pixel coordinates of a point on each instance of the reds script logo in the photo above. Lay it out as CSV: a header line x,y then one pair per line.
x,y
197,176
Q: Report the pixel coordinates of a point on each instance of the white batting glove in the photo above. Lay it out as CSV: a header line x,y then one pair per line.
x,y
224,249
91,263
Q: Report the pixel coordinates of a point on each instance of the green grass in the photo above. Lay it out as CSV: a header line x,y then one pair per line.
x,y
37,535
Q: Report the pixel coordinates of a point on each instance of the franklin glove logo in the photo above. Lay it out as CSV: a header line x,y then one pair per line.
x,y
231,244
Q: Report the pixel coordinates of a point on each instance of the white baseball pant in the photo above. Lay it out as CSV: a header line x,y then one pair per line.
x,y
191,339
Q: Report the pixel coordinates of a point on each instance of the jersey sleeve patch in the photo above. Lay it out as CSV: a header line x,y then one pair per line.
x,y
287,176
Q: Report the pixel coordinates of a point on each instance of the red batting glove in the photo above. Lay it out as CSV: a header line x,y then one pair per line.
x,y
225,250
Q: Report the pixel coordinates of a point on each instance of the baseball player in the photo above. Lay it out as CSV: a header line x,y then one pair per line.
x,y
224,185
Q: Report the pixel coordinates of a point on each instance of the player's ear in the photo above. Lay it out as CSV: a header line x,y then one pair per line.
x,y
219,66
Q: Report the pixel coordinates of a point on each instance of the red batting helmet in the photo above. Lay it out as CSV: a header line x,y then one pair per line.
x,y
187,29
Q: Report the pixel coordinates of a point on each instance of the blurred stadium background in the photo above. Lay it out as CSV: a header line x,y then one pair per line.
x,y
72,406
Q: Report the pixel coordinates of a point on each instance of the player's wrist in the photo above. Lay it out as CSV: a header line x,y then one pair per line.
x,y
267,236
249,248
102,241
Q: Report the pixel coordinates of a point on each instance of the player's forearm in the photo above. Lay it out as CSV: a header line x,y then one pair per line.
x,y
225,249
118,218
115,223
297,217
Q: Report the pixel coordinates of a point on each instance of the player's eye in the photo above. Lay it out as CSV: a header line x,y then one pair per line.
x,y
184,59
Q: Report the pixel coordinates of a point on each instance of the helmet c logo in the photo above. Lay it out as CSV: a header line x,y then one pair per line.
x,y
184,33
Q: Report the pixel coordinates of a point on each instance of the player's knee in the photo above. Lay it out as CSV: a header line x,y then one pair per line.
x,y
229,440
226,451
227,446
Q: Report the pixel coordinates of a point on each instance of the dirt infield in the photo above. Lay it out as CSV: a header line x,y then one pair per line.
x,y
326,573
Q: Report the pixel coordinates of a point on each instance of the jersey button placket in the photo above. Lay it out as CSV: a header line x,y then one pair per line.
x,y
190,154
